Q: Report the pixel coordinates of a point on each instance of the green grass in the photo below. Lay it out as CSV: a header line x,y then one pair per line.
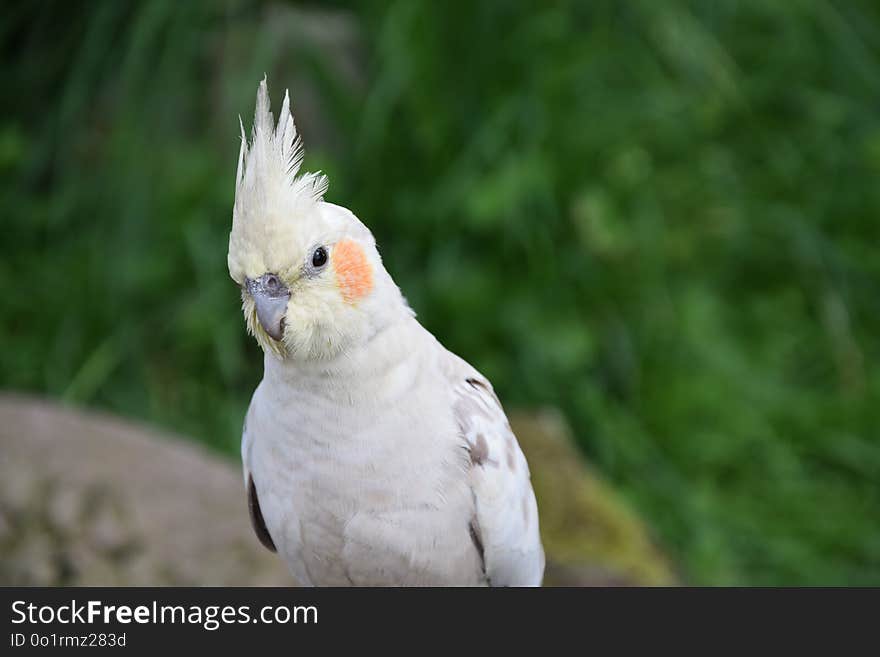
x,y
662,218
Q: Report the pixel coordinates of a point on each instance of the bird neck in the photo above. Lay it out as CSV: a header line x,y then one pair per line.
x,y
368,369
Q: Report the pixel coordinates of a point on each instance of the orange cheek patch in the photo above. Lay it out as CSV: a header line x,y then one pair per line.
x,y
353,272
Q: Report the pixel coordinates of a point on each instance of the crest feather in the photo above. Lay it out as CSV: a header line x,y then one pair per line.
x,y
274,155
242,154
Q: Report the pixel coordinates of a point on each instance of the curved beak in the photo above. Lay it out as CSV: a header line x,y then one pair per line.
x,y
270,296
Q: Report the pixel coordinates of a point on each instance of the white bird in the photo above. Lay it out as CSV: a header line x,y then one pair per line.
x,y
372,455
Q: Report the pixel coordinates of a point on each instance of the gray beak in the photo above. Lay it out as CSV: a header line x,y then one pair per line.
x,y
270,296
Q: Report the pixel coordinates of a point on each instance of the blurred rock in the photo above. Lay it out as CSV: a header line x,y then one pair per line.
x,y
88,499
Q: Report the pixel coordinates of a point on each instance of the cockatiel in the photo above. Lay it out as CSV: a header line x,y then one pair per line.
x,y
372,455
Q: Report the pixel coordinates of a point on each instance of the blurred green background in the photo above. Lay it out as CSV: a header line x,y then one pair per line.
x,y
661,218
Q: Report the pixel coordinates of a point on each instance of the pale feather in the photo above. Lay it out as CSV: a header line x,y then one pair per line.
x,y
365,472
504,502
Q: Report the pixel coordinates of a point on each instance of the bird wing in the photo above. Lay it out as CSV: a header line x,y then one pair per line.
x,y
505,523
253,500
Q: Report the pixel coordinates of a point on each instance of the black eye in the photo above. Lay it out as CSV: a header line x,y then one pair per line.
x,y
319,257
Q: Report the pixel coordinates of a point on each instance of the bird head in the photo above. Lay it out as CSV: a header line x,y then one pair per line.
x,y
312,282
